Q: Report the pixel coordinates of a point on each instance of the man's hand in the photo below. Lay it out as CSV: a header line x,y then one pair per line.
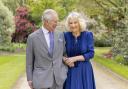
x,y
30,84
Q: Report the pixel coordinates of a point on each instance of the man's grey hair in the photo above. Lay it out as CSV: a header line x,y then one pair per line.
x,y
81,20
48,14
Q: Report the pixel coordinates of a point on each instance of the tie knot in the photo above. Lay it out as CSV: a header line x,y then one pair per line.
x,y
50,32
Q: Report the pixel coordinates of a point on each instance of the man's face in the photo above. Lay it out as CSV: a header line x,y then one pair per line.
x,y
51,24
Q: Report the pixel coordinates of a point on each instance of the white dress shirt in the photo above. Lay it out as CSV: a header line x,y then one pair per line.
x,y
46,34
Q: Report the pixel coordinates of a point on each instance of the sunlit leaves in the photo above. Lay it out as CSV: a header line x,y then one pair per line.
x,y
115,17
6,24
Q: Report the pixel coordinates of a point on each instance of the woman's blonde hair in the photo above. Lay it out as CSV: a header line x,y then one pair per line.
x,y
81,20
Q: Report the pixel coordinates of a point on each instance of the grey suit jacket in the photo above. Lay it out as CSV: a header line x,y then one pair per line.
x,y
42,69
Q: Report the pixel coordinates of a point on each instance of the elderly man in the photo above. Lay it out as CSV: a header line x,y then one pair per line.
x,y
44,53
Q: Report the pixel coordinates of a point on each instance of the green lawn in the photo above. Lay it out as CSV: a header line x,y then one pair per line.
x,y
11,67
110,63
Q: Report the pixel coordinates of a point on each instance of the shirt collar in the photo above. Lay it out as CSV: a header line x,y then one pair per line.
x,y
45,30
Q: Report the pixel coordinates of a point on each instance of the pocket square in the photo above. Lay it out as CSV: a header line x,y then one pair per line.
x,y
61,40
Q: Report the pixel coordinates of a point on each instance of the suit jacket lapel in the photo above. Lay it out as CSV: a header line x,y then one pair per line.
x,y
42,38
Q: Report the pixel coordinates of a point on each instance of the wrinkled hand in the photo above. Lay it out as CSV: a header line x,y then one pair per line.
x,y
68,61
71,60
30,84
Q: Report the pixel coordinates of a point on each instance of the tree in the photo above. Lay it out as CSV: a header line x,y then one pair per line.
x,y
23,25
13,4
115,18
6,25
61,6
89,7
67,5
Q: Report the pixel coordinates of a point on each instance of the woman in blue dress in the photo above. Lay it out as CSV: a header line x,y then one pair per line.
x,y
79,49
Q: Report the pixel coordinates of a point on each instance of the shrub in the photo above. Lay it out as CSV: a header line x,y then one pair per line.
x,y
13,47
6,25
23,26
102,42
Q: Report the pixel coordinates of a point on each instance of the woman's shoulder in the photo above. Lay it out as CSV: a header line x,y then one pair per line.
x,y
87,33
67,33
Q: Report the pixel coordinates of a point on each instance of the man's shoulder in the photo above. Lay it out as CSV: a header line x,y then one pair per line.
x,y
35,33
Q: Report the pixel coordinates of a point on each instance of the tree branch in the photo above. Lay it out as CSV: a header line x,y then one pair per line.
x,y
114,4
98,3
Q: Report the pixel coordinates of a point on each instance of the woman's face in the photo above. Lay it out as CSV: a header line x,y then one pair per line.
x,y
74,25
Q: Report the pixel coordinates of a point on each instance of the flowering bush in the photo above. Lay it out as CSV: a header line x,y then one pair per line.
x,y
23,25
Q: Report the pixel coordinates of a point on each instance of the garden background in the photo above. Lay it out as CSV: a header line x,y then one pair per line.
x,y
107,19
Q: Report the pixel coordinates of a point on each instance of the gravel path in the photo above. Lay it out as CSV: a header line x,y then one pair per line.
x,y
106,79
22,83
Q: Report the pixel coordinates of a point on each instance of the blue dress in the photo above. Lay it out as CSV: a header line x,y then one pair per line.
x,y
81,75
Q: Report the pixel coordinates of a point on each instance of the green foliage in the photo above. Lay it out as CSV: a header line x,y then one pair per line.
x,y
6,25
14,47
102,42
13,4
63,7
115,18
119,59
8,48
19,45
89,7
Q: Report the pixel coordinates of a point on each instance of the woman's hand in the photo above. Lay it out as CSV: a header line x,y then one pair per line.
x,y
67,62
71,60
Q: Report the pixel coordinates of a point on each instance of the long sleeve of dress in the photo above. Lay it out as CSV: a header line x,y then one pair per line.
x,y
90,47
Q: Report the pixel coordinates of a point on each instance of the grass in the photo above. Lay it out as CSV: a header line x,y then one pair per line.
x,y
120,69
11,67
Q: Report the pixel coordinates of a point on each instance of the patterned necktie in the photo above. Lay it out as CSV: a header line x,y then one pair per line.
x,y
51,38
